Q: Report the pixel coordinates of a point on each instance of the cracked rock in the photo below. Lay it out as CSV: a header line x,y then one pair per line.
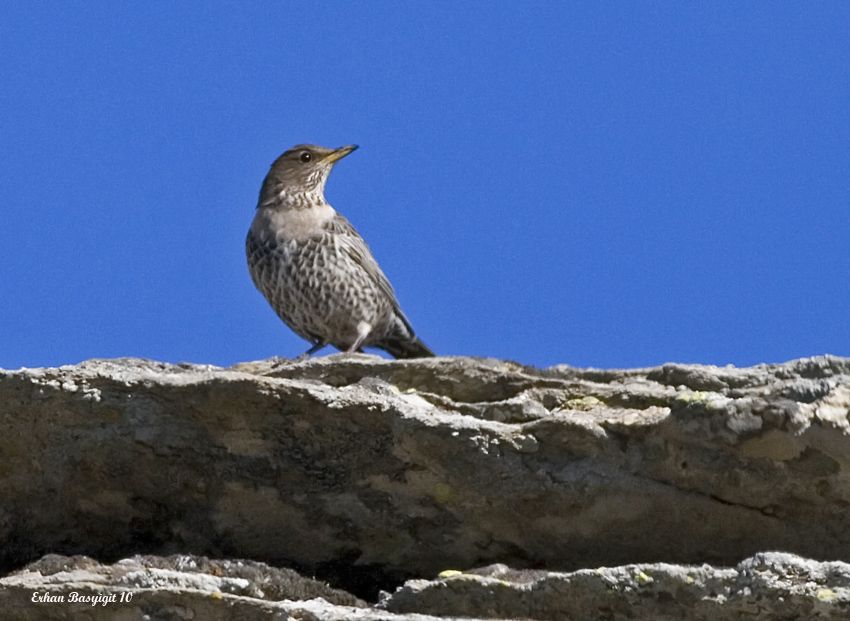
x,y
366,472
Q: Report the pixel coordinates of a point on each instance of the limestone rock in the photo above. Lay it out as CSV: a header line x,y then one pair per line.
x,y
175,588
365,471
774,586
771,586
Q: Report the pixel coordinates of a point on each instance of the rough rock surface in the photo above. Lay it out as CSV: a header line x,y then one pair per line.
x,y
767,586
366,471
179,587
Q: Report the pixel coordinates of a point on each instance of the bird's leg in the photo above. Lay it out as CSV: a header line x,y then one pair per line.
x,y
316,347
363,330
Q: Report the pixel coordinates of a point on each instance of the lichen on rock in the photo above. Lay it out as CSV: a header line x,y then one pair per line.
x,y
367,472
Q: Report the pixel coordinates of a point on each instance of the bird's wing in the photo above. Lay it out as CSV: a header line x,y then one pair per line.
x,y
356,248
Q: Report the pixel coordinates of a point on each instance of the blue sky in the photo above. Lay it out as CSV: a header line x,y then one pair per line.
x,y
599,184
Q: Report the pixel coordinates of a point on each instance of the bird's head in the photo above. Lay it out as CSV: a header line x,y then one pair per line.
x,y
297,178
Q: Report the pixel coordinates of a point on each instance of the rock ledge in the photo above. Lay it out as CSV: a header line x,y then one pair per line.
x,y
367,472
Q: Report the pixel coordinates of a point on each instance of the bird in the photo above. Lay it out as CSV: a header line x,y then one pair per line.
x,y
314,268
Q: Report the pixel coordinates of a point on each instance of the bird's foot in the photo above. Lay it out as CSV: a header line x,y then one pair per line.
x,y
315,348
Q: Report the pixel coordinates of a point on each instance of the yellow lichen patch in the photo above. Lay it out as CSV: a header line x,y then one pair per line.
x,y
449,573
582,403
443,493
695,396
643,578
826,595
216,595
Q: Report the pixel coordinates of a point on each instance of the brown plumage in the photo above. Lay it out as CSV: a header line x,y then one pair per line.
x,y
314,268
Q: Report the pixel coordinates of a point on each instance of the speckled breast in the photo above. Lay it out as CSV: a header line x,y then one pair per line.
x,y
318,291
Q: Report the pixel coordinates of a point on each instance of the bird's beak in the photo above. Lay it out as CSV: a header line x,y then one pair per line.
x,y
339,153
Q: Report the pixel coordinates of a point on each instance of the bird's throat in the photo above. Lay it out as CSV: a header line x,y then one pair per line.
x,y
286,225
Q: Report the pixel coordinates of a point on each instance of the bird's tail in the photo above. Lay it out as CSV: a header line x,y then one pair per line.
x,y
401,347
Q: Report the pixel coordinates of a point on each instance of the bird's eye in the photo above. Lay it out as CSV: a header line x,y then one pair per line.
x,y
305,157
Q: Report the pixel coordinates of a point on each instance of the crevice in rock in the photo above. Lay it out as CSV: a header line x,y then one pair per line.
x,y
363,581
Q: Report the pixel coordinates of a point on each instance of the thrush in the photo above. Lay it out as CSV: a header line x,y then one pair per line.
x,y
315,269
